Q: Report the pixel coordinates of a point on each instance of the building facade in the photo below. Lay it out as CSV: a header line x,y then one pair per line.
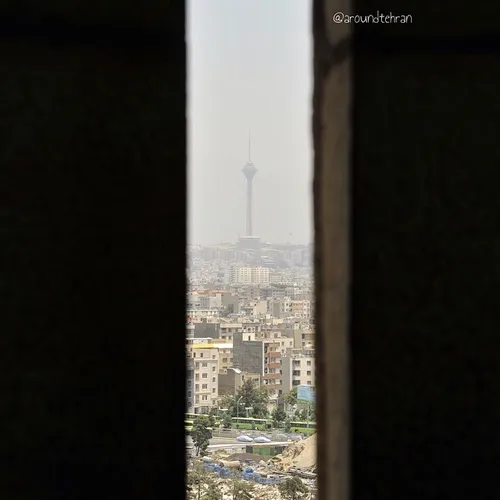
x,y
298,368
205,360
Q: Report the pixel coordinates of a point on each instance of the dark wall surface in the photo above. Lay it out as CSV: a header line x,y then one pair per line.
x,y
92,176
425,213
416,348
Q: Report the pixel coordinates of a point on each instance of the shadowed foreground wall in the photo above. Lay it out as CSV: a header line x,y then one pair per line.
x,y
93,250
410,332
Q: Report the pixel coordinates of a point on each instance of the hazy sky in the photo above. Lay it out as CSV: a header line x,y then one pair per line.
x,y
250,67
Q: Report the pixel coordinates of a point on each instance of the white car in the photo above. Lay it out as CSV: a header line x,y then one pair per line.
x,y
262,439
244,439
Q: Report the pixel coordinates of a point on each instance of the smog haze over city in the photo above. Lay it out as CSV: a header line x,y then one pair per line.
x,y
250,321
249,68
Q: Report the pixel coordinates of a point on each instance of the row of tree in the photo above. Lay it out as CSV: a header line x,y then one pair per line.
x,y
250,395
203,486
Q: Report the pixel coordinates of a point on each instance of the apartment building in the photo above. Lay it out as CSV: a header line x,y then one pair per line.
x,y
255,308
303,338
227,330
225,356
282,308
190,386
271,376
301,309
261,355
204,358
297,369
232,379
249,275
202,313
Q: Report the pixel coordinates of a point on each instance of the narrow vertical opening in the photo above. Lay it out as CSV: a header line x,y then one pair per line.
x,y
250,341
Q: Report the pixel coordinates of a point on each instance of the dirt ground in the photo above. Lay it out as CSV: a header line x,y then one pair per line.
x,y
301,454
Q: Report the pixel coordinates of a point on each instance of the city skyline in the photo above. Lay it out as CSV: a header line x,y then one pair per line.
x,y
246,71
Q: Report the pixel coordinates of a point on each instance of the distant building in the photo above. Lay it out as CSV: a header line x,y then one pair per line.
x,y
232,380
249,275
257,353
205,360
298,369
303,338
190,386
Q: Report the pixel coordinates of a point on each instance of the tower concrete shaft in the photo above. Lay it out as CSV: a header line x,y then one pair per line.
x,y
249,172
249,206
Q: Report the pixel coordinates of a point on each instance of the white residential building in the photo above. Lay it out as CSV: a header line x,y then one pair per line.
x,y
205,365
297,369
249,275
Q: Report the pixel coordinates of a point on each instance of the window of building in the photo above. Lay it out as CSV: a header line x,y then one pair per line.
x,y
197,377
204,386
189,394
204,365
197,387
213,390
201,354
308,363
308,382
204,375
309,372
296,373
213,368
204,398
214,379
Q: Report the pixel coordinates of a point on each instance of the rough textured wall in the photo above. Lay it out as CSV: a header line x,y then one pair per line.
x,y
331,129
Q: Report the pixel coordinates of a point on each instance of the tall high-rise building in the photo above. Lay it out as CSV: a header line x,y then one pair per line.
x,y
249,172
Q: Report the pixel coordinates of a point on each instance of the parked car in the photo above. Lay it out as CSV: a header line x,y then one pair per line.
x,y
244,439
262,439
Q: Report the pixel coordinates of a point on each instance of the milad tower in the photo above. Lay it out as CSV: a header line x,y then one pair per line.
x,y
249,172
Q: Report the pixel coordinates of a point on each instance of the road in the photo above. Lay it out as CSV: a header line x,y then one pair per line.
x,y
224,440
221,443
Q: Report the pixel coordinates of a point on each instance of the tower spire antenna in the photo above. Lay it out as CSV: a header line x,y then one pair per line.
x,y
249,145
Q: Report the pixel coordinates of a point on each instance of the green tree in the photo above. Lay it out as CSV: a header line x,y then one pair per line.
x,y
201,434
278,416
242,490
287,424
249,395
211,417
226,421
229,401
198,481
293,488
213,491
290,398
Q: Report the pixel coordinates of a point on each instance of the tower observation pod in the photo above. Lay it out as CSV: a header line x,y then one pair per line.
x,y
249,172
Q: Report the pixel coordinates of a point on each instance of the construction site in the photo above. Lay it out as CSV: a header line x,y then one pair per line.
x,y
258,466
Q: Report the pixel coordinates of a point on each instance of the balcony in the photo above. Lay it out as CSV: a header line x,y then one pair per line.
x,y
272,365
274,354
269,376
273,387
